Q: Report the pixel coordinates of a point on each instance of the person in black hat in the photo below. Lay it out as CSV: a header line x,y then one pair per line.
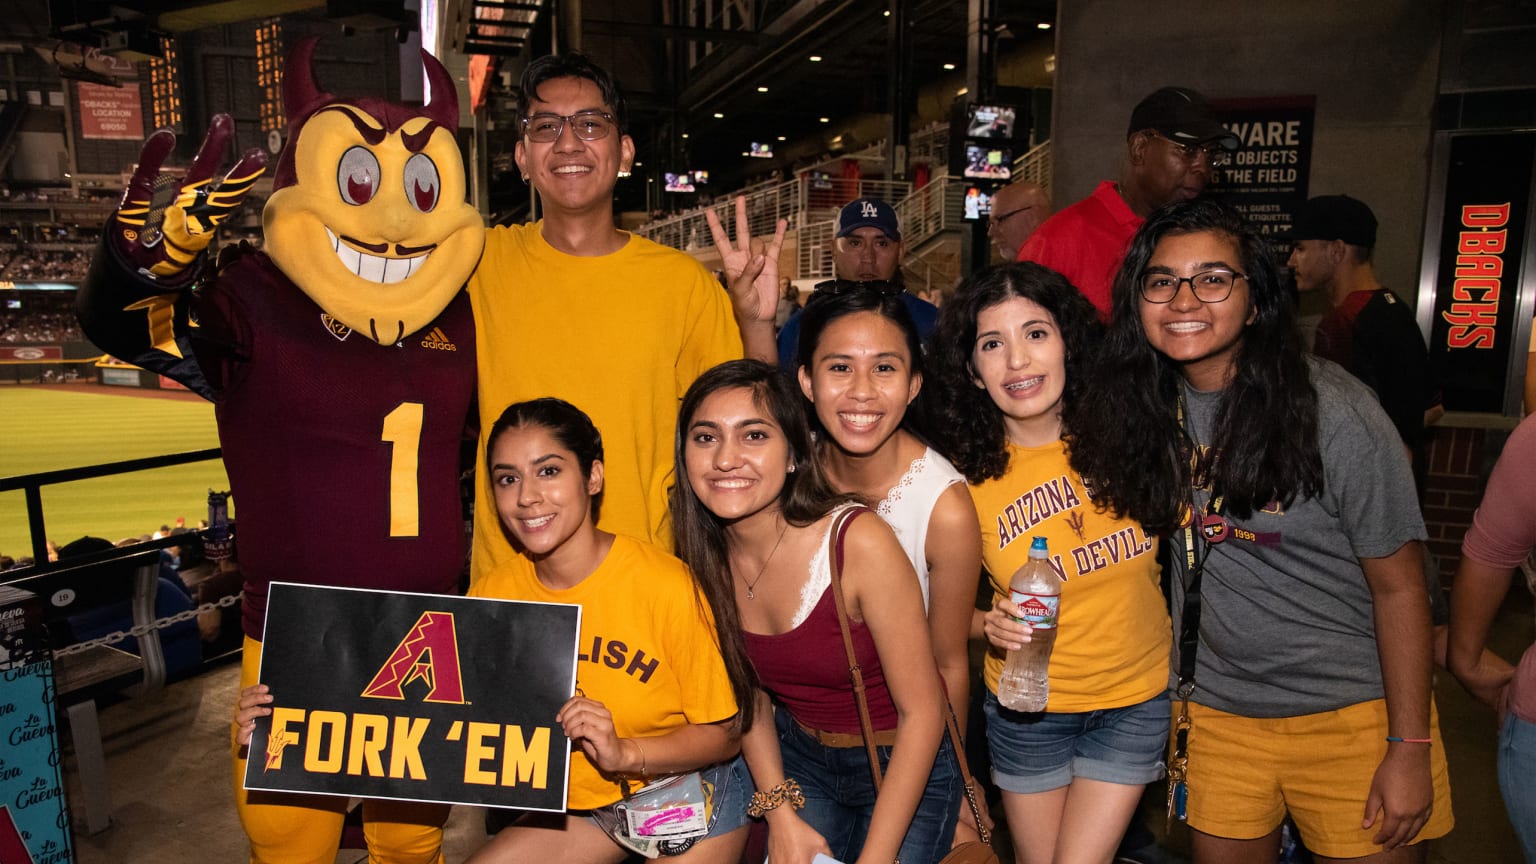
x,y
1369,331
1173,146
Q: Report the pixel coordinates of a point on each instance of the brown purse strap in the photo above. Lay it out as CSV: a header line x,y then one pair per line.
x,y
967,780
839,532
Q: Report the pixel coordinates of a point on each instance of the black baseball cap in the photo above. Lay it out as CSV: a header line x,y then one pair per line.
x,y
1180,114
1335,217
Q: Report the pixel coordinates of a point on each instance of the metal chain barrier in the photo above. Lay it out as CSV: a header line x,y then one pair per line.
x,y
144,629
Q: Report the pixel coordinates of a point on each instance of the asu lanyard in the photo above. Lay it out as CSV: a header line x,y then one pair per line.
x,y
1212,528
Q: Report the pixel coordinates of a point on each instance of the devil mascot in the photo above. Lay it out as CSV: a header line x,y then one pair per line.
x,y
340,359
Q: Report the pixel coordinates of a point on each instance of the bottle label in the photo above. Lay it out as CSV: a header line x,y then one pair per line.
x,y
1039,610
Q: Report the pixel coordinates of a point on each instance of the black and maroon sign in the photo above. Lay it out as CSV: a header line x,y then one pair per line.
x,y
1266,179
1484,236
416,697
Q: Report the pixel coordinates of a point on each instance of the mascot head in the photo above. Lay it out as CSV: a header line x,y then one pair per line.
x,y
368,215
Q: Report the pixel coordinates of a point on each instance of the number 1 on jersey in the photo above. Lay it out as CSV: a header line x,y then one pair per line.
x,y
402,429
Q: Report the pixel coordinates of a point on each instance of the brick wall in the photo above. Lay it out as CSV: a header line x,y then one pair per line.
x,y
1459,461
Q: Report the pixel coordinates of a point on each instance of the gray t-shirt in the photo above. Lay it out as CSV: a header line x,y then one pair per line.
x,y
1286,623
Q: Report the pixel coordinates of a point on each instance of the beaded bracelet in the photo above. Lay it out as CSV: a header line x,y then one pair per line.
x,y
786,792
1396,740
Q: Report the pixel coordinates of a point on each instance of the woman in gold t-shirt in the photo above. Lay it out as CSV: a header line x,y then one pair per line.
x,y
1008,350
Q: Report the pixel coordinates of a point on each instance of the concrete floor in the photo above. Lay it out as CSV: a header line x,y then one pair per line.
x,y
173,800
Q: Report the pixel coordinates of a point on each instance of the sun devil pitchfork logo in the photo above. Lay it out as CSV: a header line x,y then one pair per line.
x,y
430,653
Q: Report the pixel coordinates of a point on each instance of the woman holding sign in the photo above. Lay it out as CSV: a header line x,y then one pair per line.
x,y
652,699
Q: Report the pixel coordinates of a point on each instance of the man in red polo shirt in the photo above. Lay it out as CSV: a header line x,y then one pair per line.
x,y
1172,147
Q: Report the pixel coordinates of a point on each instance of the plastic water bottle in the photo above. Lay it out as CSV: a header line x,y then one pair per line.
x,y
1036,590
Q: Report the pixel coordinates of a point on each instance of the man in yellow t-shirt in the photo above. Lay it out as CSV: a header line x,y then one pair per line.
x,y
573,307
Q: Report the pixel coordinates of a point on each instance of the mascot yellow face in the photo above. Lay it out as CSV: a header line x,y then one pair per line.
x,y
368,215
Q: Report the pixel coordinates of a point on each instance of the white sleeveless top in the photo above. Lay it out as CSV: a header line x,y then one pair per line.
x,y
909,505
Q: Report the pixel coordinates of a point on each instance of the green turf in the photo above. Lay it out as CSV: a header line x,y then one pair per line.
x,y
49,428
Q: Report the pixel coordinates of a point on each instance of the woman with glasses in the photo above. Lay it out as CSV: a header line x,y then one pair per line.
x,y
755,517
1297,586
1010,356
861,366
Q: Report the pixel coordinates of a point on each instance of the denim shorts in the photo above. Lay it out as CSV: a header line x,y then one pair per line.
x,y
1040,752
840,795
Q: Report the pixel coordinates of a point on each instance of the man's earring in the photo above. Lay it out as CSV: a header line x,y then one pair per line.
x,y
623,172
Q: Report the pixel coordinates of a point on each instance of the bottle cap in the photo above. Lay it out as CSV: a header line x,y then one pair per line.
x,y
1037,548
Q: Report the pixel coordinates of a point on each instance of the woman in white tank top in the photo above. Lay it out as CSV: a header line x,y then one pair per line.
x,y
860,364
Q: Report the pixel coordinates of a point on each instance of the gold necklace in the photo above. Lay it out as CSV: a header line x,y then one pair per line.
x,y
752,583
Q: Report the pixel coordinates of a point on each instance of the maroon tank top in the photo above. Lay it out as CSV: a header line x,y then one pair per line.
x,y
806,669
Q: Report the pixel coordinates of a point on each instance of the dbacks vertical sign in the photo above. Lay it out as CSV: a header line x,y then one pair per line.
x,y
415,697
1484,235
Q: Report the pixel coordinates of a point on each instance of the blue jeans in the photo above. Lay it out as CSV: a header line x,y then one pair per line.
x,y
1517,780
840,795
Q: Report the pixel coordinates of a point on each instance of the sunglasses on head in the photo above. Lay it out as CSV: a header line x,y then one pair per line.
x,y
839,287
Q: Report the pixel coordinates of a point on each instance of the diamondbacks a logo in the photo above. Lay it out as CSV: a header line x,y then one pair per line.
x,y
336,328
438,340
868,210
430,653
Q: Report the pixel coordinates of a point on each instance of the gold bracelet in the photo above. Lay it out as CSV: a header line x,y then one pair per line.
x,y
641,773
786,792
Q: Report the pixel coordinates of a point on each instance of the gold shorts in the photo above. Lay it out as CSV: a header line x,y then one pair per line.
x,y
1245,773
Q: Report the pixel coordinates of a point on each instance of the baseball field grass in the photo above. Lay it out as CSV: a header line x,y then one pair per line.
x,y
47,428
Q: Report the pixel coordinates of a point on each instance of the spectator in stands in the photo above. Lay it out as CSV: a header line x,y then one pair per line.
x,y
867,248
1173,145
789,302
573,307
44,317
1369,331
1017,210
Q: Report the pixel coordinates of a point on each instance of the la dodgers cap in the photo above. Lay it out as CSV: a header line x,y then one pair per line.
x,y
868,213
1335,217
1180,114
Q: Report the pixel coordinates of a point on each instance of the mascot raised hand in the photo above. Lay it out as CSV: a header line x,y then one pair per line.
x,y
341,359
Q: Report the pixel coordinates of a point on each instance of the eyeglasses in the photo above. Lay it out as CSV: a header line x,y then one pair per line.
x,y
997,220
1215,155
839,287
1208,286
588,126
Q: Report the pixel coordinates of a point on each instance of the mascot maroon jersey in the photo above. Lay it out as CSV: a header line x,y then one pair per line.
x,y
342,453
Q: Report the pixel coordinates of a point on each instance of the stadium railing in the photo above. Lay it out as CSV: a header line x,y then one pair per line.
x,y
32,485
